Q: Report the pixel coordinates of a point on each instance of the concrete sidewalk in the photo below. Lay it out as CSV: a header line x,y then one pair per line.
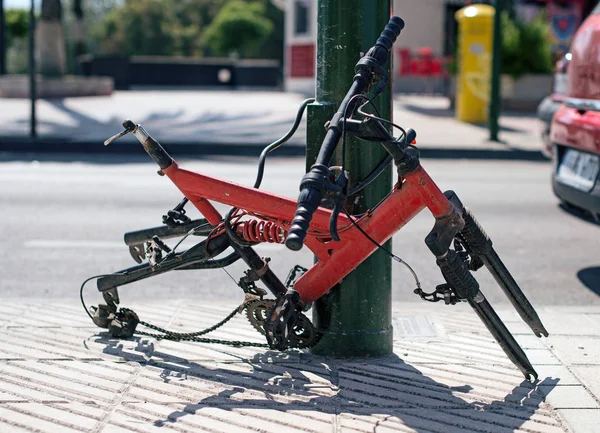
x,y
198,121
59,373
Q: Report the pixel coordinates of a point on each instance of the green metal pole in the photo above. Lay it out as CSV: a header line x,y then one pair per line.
x,y
355,315
32,72
495,100
2,39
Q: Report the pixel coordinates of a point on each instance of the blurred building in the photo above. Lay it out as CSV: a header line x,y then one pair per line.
x,y
427,43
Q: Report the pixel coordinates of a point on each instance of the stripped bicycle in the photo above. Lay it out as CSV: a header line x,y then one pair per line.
x,y
318,220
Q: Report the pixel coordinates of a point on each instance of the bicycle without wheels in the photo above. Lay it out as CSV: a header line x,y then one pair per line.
x,y
339,241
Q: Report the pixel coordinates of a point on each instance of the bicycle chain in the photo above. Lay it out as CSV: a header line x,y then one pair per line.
x,y
165,334
194,336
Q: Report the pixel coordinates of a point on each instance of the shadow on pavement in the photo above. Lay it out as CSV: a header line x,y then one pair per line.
x,y
212,133
578,213
388,391
213,126
590,277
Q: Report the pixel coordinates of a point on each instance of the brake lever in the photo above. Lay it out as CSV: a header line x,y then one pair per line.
x,y
337,208
129,127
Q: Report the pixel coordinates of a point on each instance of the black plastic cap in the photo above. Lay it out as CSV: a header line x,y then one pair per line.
x,y
398,22
294,242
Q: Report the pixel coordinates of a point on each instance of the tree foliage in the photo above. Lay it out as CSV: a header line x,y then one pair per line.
x,y
239,27
526,47
138,27
187,28
153,27
17,24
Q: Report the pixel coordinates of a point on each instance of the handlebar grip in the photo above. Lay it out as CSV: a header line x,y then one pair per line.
x,y
391,32
308,202
380,51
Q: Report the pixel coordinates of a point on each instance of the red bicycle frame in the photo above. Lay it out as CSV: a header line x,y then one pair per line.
x,y
306,223
409,196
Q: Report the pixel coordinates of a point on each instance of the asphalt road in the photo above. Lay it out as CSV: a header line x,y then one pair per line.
x,y
63,219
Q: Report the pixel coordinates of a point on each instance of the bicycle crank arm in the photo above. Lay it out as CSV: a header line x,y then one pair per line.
x,y
189,259
479,244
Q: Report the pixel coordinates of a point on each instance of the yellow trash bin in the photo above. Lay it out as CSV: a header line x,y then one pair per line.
x,y
475,37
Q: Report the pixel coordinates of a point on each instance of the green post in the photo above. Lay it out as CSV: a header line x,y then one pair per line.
x,y
2,39
356,314
495,101
32,72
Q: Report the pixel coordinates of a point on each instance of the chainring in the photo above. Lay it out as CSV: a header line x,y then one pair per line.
x,y
257,313
303,334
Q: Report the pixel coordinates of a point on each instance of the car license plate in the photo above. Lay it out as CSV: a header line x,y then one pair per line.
x,y
578,169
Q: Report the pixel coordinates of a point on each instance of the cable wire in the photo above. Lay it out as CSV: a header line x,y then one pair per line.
x,y
381,247
88,280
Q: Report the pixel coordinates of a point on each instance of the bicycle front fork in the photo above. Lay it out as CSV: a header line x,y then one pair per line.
x,y
461,224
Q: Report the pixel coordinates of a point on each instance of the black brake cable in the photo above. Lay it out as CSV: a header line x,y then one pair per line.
x,y
262,159
88,280
276,144
381,166
378,117
388,252
387,159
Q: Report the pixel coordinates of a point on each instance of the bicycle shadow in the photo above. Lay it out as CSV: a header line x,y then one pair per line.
x,y
371,394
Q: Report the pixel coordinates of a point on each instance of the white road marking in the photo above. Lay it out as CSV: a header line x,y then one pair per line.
x,y
64,244
59,243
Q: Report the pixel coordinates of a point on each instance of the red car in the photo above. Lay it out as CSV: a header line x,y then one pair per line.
x,y
575,131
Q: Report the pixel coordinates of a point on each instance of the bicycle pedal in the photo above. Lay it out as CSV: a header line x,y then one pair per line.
x,y
124,324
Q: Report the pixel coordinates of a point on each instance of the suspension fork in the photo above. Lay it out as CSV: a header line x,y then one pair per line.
x,y
452,220
479,244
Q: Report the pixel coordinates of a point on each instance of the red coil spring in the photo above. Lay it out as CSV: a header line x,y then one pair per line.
x,y
261,231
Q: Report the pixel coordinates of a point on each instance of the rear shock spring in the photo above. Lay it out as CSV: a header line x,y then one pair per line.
x,y
261,231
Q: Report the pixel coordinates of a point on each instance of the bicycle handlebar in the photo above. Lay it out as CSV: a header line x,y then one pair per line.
x,y
314,184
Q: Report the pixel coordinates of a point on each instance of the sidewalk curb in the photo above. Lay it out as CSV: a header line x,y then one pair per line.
x,y
190,148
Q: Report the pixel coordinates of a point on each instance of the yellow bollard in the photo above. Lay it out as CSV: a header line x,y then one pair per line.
x,y
476,30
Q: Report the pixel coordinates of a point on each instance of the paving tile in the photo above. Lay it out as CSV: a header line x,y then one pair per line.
x,y
559,372
50,418
531,342
590,377
577,350
581,420
542,357
570,324
569,397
